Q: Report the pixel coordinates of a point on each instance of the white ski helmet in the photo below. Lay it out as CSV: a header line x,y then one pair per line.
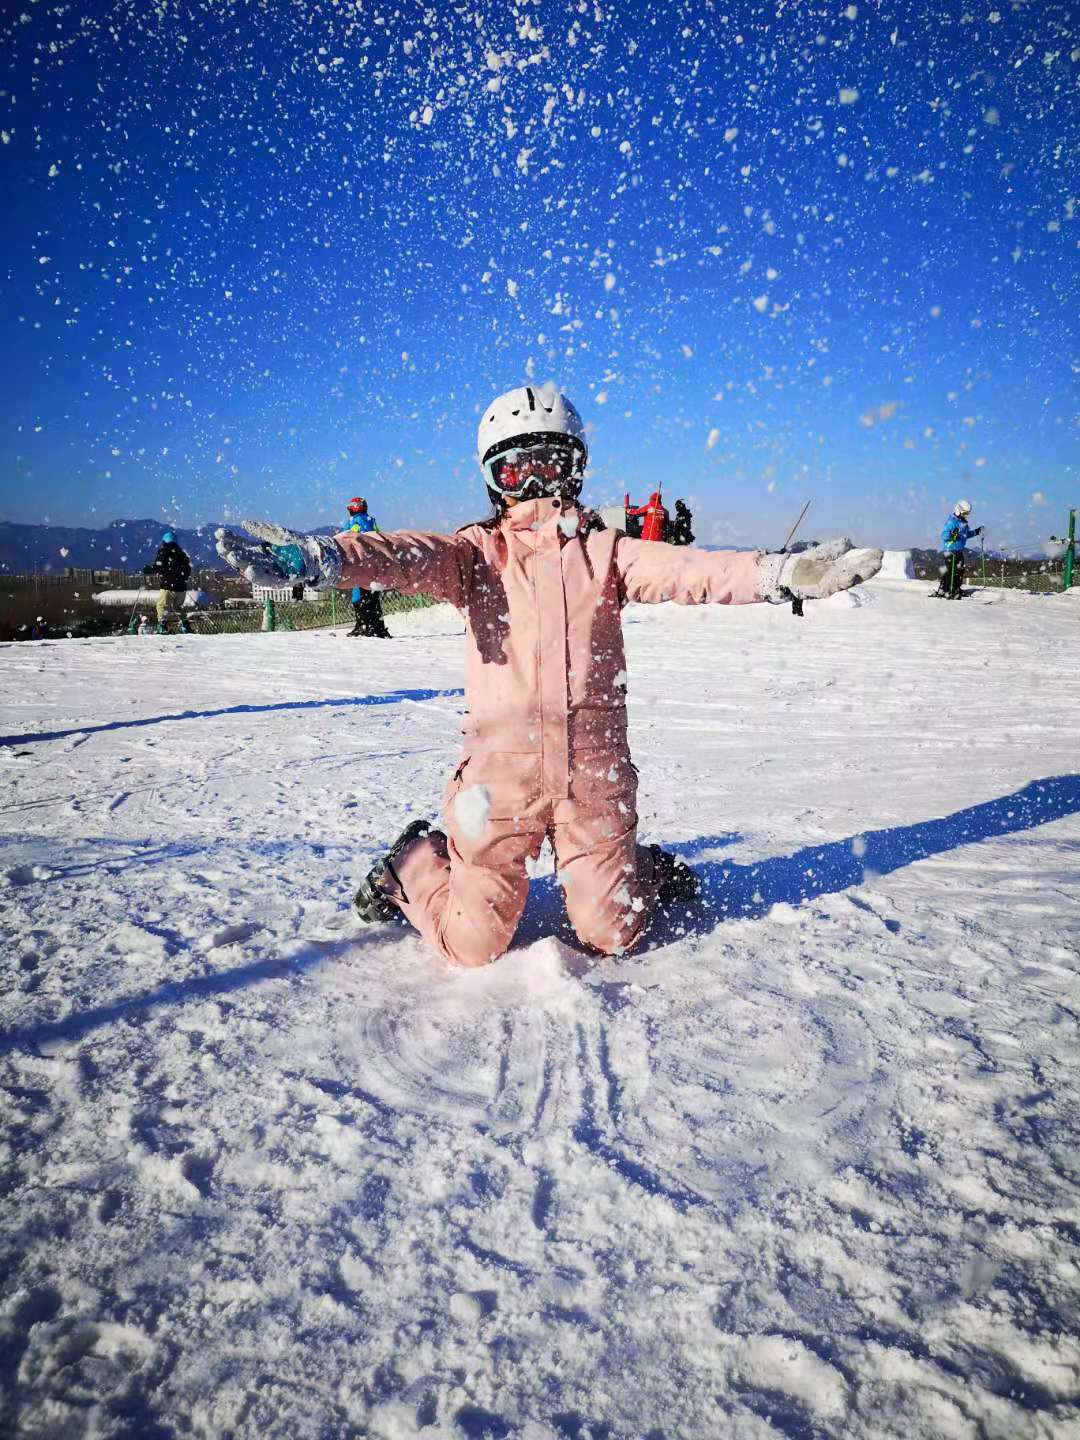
x,y
530,414
963,509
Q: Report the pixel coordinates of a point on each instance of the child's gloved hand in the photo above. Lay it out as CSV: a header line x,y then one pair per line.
x,y
271,555
816,573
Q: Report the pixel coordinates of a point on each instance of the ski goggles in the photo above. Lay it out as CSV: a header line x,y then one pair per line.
x,y
528,472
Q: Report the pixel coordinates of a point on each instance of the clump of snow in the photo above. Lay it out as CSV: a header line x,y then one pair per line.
x,y
472,808
465,1307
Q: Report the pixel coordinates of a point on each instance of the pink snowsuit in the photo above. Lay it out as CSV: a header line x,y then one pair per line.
x,y
545,751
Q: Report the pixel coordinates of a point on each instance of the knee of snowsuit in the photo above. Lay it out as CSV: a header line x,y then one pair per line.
x,y
464,888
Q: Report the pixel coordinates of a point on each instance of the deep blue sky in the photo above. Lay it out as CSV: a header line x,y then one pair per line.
x,y
262,257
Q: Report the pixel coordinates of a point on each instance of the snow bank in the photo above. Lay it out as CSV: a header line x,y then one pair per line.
x,y
897,565
148,596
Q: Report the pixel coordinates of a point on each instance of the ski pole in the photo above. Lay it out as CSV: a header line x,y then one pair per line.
x,y
796,600
131,617
791,532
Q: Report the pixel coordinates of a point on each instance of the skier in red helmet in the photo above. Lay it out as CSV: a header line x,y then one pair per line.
x,y
366,604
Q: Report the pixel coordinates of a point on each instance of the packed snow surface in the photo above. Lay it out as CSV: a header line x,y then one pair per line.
x,y
805,1166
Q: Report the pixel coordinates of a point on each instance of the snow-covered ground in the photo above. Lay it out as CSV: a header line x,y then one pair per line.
x,y
805,1166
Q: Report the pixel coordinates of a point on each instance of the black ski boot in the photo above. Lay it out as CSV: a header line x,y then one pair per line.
x,y
371,902
676,882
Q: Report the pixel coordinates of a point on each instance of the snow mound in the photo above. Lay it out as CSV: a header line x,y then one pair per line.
x,y
855,599
128,598
896,565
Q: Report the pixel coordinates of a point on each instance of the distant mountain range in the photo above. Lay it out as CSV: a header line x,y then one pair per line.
x,y
131,544
120,545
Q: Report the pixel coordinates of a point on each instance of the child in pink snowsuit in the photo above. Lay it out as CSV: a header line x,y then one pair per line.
x,y
541,586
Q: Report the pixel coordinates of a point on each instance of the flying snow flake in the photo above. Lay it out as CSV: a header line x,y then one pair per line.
x,y
609,281
714,436
760,303
848,95
512,289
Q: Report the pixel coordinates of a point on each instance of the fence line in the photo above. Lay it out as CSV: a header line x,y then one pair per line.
x,y
273,614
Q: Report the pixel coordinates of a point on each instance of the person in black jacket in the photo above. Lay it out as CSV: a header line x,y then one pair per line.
x,y
171,568
681,533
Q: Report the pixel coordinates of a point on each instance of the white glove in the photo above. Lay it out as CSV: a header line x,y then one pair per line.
x,y
276,556
818,572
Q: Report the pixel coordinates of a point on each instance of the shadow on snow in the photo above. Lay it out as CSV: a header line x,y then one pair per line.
x,y
741,892
393,698
133,1008
728,891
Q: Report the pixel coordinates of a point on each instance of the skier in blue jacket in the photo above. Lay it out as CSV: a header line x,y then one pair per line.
x,y
366,604
955,534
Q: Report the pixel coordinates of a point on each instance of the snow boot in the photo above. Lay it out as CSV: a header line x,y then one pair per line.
x,y
676,882
372,902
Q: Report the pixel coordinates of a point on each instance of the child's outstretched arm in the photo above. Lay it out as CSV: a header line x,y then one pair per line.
x,y
412,562
650,571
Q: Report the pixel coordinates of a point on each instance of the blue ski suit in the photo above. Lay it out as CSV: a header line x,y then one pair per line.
x,y
361,524
955,534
